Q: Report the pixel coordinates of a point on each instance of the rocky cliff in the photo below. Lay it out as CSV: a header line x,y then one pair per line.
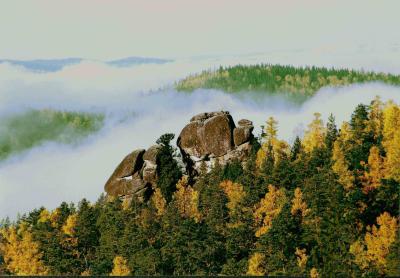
x,y
207,138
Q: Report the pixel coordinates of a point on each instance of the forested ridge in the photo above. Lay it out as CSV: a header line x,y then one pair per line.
x,y
325,205
298,83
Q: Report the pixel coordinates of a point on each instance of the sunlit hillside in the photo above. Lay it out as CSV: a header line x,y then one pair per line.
x,y
297,81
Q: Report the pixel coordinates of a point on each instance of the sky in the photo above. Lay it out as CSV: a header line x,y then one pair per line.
x,y
104,29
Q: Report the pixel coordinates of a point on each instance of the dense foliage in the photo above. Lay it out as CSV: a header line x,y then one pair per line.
x,y
300,82
326,206
23,131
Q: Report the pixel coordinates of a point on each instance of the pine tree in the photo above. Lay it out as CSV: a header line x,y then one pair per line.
x,y
168,170
331,132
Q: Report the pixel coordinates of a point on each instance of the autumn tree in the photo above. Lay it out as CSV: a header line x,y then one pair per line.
x,y
255,265
271,148
120,267
315,134
375,246
374,174
340,167
268,208
186,200
299,206
391,140
21,253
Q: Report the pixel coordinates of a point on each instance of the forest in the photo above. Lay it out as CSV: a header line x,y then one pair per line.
x,y
326,204
298,82
22,131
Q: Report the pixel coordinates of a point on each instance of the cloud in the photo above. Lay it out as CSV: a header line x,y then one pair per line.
x,y
137,113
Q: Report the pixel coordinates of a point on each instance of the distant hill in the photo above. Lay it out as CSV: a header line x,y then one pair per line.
x,y
129,61
52,65
45,65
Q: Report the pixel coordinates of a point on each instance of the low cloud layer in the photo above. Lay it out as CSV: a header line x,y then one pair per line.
x,y
137,113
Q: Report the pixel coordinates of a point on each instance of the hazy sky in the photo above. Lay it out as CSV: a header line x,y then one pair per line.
x,y
105,29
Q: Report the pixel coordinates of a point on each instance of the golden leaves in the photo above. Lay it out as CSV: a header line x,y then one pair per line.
x,y
69,227
298,205
268,208
301,257
21,253
120,267
314,136
187,200
159,202
255,265
375,246
235,194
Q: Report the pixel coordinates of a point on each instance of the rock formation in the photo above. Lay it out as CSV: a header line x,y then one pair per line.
x,y
136,175
213,136
207,138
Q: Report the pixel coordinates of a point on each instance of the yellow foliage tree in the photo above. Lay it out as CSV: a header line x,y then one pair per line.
x,y
314,136
298,204
21,253
341,167
255,267
187,200
69,227
120,267
301,257
268,208
159,202
372,177
235,194
375,246
279,148
375,121
391,140
314,273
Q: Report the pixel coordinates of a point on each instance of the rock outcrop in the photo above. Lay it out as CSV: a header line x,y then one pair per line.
x,y
213,136
207,138
136,175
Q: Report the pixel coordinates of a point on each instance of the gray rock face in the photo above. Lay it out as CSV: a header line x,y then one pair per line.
x,y
213,136
207,133
243,133
136,173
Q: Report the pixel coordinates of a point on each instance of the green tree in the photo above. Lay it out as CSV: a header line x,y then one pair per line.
x,y
168,170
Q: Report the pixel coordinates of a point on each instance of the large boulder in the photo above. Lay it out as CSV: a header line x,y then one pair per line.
x,y
119,182
136,174
243,133
207,133
213,136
